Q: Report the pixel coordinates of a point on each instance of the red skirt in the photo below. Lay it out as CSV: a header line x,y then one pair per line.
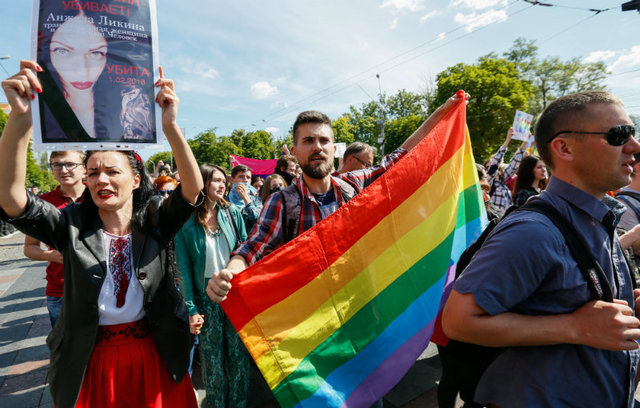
x,y
125,370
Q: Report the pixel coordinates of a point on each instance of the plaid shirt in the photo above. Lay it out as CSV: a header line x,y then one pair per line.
x,y
501,198
268,233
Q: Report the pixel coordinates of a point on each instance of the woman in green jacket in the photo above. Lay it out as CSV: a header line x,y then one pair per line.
x,y
203,246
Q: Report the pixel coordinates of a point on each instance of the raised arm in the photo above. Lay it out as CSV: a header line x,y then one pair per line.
x,y
424,129
190,176
20,90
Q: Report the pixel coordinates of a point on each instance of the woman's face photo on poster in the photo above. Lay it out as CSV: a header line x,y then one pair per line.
x,y
78,54
98,72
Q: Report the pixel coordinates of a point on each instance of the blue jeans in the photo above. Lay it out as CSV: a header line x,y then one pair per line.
x,y
54,304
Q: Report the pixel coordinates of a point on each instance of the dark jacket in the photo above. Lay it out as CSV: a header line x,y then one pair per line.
x,y
75,231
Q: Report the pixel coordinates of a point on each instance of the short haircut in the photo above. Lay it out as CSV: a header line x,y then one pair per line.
x,y
284,160
357,148
63,152
240,168
563,111
310,117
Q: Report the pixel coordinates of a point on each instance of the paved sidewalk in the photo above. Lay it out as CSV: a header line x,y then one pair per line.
x,y
24,325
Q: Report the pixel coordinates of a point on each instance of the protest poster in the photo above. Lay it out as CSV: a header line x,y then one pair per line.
x,y
522,125
99,61
340,149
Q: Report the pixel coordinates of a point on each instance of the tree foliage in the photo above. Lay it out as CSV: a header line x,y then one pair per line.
x,y
497,90
551,77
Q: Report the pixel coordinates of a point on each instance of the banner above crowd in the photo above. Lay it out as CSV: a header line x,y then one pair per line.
x,y
262,168
99,61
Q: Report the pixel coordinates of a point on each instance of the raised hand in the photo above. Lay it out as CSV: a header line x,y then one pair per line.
x,y
167,99
22,87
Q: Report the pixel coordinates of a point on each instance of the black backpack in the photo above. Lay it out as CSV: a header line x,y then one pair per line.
x,y
475,359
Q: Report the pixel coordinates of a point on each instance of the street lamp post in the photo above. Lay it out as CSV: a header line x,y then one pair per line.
x,y
382,122
6,57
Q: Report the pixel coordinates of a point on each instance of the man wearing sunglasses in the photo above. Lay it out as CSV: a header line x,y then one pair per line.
x,y
524,291
68,170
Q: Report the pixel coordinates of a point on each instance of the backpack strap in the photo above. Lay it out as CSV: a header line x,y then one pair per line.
x,y
291,205
348,188
626,198
588,265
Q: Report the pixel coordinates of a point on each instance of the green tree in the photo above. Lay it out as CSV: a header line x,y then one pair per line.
x,y
257,145
343,129
221,151
152,161
551,77
399,129
497,89
3,120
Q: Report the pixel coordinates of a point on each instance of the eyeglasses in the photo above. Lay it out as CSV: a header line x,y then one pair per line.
x,y
616,136
163,192
57,166
364,163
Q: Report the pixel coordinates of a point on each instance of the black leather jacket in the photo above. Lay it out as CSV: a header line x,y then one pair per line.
x,y
75,231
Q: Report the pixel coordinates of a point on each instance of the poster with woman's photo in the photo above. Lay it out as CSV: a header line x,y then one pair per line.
x,y
99,59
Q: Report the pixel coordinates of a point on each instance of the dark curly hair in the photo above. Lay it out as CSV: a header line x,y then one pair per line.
x,y
141,196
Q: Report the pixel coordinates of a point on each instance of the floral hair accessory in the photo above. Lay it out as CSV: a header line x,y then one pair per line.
x,y
139,161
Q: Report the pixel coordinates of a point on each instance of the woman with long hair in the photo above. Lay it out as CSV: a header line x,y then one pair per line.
x,y
204,246
273,183
122,338
531,180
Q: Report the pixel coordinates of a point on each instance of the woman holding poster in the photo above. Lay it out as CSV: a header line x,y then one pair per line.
x,y
94,89
122,339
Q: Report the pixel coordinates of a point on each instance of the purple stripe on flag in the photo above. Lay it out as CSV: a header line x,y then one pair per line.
x,y
383,378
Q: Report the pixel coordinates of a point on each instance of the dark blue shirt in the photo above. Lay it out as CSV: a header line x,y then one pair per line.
x,y
525,267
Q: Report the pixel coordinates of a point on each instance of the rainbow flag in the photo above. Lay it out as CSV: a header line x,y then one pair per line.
x,y
336,317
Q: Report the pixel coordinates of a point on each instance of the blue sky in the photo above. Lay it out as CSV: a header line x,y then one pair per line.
x,y
255,64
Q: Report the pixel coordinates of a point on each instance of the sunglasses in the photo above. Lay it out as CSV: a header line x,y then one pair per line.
x,y
616,136
163,192
57,166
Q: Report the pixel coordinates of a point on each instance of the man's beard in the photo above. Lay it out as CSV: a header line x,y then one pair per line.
x,y
316,172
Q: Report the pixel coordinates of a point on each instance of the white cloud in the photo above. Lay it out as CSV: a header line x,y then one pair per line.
x,y
473,20
411,5
441,36
272,130
628,59
199,69
596,56
210,73
263,90
431,14
394,24
478,4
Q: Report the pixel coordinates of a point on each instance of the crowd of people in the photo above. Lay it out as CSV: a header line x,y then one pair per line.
x,y
137,264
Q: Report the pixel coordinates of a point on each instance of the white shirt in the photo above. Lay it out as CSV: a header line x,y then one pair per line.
x,y
132,309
